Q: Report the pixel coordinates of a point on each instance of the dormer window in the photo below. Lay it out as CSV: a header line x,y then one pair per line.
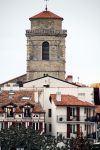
x,y
27,112
10,112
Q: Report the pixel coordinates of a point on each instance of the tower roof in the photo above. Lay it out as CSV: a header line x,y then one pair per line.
x,y
46,15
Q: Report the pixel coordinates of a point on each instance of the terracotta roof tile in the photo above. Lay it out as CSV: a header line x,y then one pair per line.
x,y
19,78
97,108
27,103
38,108
1,110
9,103
17,101
69,100
6,97
46,15
18,110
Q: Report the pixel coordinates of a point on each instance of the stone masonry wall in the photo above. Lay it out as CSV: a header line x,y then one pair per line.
x,y
49,30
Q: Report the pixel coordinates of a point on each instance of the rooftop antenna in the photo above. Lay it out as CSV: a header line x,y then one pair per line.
x,y
46,5
78,79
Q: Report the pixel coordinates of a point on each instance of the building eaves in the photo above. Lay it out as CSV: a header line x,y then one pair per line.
x,y
53,78
70,100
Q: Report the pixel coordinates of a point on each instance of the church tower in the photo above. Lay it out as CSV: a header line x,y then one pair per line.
x,y
46,46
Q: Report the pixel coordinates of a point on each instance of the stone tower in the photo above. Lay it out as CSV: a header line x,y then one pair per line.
x,y
46,46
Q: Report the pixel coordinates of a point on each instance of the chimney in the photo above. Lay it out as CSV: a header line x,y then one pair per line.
x,y
58,96
69,78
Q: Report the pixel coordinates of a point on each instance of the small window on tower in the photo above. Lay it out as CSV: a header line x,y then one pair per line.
x,y
45,51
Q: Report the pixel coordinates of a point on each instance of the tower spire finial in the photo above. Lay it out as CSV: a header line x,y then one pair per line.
x,y
46,5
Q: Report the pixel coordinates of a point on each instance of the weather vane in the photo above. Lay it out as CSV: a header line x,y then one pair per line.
x,y
46,4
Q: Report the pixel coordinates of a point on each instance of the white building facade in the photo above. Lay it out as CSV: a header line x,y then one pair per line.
x,y
56,119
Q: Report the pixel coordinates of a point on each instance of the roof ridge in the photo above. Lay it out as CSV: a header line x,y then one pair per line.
x,y
46,15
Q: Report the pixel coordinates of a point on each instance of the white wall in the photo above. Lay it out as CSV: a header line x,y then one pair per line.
x,y
83,93
48,80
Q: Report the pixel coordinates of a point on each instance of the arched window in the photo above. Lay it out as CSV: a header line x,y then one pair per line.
x,y
45,51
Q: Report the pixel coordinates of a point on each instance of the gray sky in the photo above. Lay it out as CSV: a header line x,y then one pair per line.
x,y
82,21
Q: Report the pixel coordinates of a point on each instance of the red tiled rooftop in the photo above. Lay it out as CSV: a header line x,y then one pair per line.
x,y
38,108
9,103
46,15
27,103
18,110
1,110
98,109
16,96
17,101
69,100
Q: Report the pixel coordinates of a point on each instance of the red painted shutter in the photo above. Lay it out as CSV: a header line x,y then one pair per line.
x,y
68,113
6,124
23,123
78,114
30,124
78,129
68,130
40,126
13,123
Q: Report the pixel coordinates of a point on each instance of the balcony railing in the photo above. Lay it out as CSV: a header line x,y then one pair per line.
x,y
27,114
91,119
63,118
10,115
92,135
23,116
46,32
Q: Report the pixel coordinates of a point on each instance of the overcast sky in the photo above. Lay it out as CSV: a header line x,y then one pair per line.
x,y
82,21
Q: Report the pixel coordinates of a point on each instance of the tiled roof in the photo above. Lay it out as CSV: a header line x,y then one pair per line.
x,y
1,110
97,108
18,110
37,108
14,80
46,15
19,99
28,103
69,100
16,97
9,103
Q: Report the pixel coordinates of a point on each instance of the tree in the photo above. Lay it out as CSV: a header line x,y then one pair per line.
x,y
16,136
29,139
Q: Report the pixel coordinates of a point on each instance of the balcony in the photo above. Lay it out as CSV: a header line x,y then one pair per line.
x,y
92,135
64,119
46,32
91,119
10,115
27,115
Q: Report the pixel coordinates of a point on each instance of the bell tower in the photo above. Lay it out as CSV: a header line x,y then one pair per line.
x,y
46,46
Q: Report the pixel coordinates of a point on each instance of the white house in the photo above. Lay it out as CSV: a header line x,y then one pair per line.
x,y
72,117
81,100
21,107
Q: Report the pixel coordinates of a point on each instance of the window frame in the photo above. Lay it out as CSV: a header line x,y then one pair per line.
x,y
45,50
50,113
50,127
